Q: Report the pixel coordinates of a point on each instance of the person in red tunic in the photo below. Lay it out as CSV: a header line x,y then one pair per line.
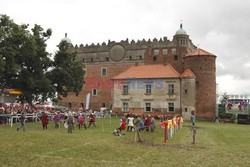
x,y
92,120
45,120
122,125
147,122
81,121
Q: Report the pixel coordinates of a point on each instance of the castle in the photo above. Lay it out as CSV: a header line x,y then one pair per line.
x,y
187,75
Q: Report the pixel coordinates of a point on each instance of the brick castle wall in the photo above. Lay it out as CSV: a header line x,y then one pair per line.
x,y
205,71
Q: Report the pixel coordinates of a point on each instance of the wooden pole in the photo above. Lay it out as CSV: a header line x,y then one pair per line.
x,y
165,132
11,123
194,134
102,126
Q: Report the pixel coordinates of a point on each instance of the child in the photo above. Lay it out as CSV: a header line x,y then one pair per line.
x,y
122,125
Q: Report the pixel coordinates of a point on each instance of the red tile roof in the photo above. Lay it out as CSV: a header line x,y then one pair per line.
x,y
188,73
149,71
199,52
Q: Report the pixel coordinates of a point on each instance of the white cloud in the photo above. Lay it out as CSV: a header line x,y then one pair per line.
x,y
220,27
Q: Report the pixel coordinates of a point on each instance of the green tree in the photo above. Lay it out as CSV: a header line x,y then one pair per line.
x,y
25,61
224,98
26,65
222,106
67,74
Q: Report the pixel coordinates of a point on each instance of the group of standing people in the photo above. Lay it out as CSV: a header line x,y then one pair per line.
x,y
68,119
135,122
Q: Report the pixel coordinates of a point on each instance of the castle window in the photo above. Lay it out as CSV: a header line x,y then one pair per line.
x,y
154,58
82,105
104,72
197,83
94,92
186,110
107,58
70,105
148,107
125,89
165,51
148,89
171,107
140,57
125,106
186,91
103,105
91,59
156,52
83,60
175,57
170,88
173,51
130,57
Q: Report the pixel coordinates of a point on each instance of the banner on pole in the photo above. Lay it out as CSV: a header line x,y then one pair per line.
x,y
87,101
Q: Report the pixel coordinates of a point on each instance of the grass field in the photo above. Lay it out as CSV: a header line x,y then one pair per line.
x,y
217,145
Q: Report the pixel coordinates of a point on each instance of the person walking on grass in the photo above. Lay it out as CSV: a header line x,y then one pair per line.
x,y
192,118
22,121
138,127
45,120
70,122
57,120
122,127
130,123
152,126
81,121
147,122
92,120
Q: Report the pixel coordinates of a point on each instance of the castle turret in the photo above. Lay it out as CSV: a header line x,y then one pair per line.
x,y
67,40
181,38
202,63
180,48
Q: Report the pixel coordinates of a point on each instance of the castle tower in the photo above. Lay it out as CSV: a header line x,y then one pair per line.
x,y
202,63
181,44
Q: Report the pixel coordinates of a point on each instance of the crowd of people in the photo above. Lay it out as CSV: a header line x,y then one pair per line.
x,y
69,119
78,118
138,123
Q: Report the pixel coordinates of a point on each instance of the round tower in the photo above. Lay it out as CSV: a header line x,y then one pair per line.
x,y
202,63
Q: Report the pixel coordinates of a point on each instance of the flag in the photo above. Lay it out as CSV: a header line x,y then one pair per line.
x,y
87,101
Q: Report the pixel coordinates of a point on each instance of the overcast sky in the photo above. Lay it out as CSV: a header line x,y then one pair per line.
x,y
221,27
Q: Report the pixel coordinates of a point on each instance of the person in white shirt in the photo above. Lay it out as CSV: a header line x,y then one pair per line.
x,y
130,123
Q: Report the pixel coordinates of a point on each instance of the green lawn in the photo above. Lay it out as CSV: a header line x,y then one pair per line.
x,y
217,145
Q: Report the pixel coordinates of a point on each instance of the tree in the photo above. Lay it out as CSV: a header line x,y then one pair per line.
x,y
25,61
224,98
222,106
67,74
26,65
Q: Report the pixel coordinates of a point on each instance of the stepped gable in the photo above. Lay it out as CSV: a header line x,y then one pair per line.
x,y
149,71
